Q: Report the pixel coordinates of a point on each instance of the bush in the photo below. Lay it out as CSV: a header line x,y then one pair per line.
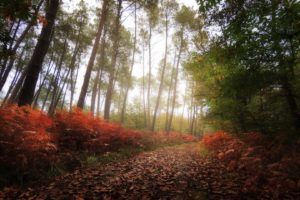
x,y
267,163
26,148
77,130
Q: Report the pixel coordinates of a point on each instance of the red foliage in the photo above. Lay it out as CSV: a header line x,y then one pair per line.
x,y
24,141
77,130
266,163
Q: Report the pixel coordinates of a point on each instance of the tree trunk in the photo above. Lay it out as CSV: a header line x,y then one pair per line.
x,y
58,96
99,71
131,69
4,70
175,85
149,77
169,93
162,77
115,48
99,94
35,103
35,64
144,98
90,65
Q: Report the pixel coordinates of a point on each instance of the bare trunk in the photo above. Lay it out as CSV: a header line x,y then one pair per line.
x,y
131,69
35,64
169,93
175,85
109,92
162,77
97,84
90,65
149,78
35,103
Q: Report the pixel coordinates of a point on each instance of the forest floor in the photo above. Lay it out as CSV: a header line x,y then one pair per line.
x,y
179,172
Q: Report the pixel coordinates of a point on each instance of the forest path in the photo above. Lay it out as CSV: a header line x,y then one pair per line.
x,y
177,172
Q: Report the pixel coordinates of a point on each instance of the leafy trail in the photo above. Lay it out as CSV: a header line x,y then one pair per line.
x,y
177,172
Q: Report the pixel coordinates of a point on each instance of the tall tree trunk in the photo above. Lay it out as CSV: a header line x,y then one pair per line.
x,y
56,81
169,93
144,98
162,75
50,85
90,65
73,87
58,96
131,68
115,48
35,64
35,103
6,70
99,94
97,83
149,76
175,84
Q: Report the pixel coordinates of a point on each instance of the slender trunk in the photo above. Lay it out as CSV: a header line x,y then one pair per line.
x,y
64,97
169,93
49,87
90,65
115,48
56,85
162,76
99,71
73,87
13,82
182,114
149,77
6,69
58,96
175,85
35,103
131,68
99,94
35,64
144,98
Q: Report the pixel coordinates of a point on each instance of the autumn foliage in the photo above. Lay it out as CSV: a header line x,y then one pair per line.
x,y
31,142
81,131
25,145
269,165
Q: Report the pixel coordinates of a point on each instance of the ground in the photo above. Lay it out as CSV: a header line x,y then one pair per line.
x,y
178,172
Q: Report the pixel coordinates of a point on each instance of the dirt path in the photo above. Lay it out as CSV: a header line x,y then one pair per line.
x,y
169,173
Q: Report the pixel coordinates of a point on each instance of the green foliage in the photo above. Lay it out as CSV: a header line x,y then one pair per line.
x,y
249,74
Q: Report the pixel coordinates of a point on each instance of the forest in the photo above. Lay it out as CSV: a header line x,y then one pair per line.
x,y
150,99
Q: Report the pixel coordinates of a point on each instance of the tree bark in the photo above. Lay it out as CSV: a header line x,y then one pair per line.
x,y
162,76
90,65
109,92
99,71
131,69
149,77
175,84
35,64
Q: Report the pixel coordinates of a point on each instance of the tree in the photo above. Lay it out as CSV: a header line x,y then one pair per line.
x,y
87,76
35,65
109,92
261,52
169,7
187,22
131,67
